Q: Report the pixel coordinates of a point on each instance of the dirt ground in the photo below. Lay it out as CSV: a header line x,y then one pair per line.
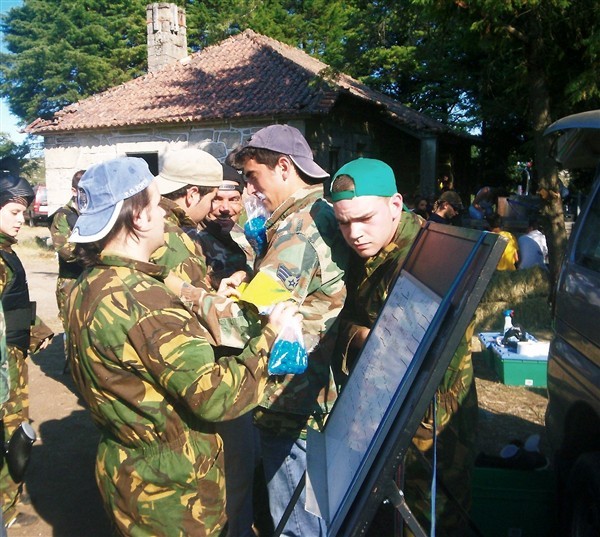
x,y
60,477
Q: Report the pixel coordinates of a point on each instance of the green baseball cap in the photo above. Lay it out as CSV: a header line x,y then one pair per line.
x,y
371,177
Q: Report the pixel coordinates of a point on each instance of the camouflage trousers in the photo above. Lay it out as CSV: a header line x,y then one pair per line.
x,y
63,288
455,459
16,411
163,490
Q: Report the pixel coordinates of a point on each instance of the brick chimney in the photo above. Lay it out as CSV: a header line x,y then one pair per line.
x,y
167,37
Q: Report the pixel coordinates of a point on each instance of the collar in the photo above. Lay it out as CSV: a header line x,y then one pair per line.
x,y
112,259
6,242
298,200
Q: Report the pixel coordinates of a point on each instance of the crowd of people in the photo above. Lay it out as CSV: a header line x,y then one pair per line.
x,y
171,313
528,250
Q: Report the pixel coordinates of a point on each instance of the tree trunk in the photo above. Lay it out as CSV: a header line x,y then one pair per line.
x,y
549,191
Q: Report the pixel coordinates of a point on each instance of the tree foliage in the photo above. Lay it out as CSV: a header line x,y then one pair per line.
x,y
20,155
507,67
63,50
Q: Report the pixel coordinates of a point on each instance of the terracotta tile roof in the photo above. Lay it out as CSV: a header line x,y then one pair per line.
x,y
245,76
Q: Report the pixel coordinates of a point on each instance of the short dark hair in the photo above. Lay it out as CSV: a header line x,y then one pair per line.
x,y
181,192
494,220
343,183
76,178
238,157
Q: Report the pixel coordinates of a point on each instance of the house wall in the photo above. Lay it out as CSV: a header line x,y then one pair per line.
x,y
352,132
346,134
67,153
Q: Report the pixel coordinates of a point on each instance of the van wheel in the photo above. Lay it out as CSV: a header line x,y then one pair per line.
x,y
582,497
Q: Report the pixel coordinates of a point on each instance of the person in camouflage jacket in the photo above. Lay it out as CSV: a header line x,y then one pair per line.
x,y
304,258
141,361
179,254
69,267
224,257
369,212
25,333
220,236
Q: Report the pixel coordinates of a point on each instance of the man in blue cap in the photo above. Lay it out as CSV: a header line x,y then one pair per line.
x,y
370,213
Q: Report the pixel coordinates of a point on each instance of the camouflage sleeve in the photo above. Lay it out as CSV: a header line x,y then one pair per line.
x,y
4,276
39,332
60,232
180,255
169,343
289,268
4,376
227,321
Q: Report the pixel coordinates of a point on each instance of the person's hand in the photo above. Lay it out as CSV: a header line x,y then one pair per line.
x,y
189,294
45,343
229,286
283,313
359,336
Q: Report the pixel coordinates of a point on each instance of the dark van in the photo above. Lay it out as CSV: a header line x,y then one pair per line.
x,y
37,212
573,412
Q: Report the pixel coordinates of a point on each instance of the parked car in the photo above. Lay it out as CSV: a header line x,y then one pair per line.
x,y
37,212
573,412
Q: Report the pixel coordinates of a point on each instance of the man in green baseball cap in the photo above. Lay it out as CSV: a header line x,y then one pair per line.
x,y
370,213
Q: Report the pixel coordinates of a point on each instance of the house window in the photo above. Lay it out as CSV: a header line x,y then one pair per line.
x,y
150,158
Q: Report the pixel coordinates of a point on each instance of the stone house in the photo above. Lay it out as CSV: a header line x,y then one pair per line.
x,y
216,98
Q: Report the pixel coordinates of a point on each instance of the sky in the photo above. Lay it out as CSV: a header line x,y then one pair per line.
x,y
8,122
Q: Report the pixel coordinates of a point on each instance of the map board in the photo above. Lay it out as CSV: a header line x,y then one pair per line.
x,y
399,368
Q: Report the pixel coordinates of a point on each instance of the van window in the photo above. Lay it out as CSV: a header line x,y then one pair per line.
x,y
587,249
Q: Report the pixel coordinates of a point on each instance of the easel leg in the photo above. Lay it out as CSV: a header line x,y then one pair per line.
x,y
288,510
396,497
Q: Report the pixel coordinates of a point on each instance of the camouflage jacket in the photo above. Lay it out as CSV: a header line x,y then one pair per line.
x,y
306,255
179,254
372,280
60,230
141,360
222,253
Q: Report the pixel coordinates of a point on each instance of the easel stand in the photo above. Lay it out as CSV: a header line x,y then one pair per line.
x,y
351,465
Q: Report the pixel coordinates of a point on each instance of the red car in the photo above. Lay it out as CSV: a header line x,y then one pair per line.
x,y
37,212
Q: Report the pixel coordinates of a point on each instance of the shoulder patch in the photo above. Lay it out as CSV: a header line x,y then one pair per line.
x,y
289,280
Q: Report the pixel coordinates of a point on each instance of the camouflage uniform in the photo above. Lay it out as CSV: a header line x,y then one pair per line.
x,y
241,450
305,259
141,361
456,398
223,254
179,253
307,255
69,268
4,380
21,340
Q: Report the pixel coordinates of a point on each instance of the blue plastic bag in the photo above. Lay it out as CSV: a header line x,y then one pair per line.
x,y
254,228
288,355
